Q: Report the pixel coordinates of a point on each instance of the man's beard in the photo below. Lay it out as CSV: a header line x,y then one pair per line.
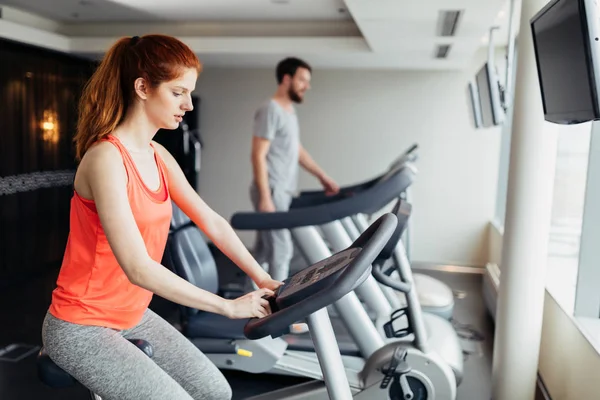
x,y
294,96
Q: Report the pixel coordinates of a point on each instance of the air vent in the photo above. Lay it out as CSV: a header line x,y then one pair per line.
x,y
442,51
448,22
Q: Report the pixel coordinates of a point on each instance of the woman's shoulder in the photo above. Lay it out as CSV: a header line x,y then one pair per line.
x,y
101,155
101,151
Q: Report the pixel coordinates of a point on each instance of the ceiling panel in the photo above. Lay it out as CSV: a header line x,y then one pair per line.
x,y
344,33
185,10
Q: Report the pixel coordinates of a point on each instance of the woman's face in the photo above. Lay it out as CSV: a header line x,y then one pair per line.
x,y
167,103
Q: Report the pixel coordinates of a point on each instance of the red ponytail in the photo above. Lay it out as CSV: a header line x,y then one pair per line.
x,y
109,92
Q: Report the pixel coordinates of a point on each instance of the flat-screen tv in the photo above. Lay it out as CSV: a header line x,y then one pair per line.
x,y
475,104
565,40
492,112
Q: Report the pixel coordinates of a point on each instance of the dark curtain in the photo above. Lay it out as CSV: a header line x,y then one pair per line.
x,y
180,142
39,93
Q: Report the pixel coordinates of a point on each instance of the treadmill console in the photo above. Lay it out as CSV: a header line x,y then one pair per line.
x,y
315,278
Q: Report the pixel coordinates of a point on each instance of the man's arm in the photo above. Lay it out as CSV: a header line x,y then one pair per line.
x,y
212,224
311,166
260,148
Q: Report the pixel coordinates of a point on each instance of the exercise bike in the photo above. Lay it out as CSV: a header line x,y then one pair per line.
x,y
304,295
54,376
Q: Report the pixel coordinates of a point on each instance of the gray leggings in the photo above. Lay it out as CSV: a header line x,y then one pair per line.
x,y
104,361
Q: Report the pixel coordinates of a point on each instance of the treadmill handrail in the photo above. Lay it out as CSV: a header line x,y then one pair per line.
x,y
388,281
402,210
408,155
366,202
371,241
403,158
314,197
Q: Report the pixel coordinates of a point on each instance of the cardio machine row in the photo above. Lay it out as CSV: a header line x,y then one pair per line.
x,y
406,362
434,351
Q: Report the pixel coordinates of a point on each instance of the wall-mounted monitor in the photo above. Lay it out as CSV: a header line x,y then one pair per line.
x,y
566,43
492,111
475,104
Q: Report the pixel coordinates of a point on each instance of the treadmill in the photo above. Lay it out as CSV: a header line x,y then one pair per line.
x,y
328,215
435,296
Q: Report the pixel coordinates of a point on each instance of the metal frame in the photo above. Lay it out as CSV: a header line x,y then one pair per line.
x,y
390,294
416,314
329,356
369,291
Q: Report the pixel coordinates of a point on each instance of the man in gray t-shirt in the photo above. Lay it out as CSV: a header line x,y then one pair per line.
x,y
276,155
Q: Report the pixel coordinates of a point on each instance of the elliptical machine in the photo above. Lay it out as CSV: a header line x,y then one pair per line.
x,y
381,363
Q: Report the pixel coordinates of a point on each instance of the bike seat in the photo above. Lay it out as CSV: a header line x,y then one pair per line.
x,y
54,376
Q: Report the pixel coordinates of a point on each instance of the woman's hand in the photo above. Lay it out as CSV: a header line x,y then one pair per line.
x,y
250,305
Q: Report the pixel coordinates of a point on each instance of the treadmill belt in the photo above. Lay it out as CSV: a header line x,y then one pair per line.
x,y
345,342
299,343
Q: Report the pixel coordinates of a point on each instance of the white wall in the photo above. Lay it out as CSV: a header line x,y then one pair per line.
x,y
355,123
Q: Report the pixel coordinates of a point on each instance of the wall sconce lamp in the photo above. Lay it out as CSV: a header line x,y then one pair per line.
x,y
50,132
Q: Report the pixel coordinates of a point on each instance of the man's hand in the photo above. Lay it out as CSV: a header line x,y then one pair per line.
x,y
331,188
266,204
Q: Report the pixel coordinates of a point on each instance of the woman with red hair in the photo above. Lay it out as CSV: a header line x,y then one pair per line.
x,y
119,223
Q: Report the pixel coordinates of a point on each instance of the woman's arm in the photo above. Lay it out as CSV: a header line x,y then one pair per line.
x,y
106,177
211,223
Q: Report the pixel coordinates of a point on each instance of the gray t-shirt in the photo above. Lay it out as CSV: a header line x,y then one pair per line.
x,y
273,122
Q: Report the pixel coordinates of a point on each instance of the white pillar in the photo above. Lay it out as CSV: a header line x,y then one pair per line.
x,y
526,229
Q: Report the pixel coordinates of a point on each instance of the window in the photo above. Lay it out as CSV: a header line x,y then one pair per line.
x,y
587,296
567,212
571,176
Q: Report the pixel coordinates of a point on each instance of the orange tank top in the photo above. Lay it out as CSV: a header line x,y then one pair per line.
x,y
92,288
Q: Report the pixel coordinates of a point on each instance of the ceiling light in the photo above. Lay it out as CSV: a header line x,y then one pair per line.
x,y
448,22
442,51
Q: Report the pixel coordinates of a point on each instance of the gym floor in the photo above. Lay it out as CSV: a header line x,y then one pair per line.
x,y
22,309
